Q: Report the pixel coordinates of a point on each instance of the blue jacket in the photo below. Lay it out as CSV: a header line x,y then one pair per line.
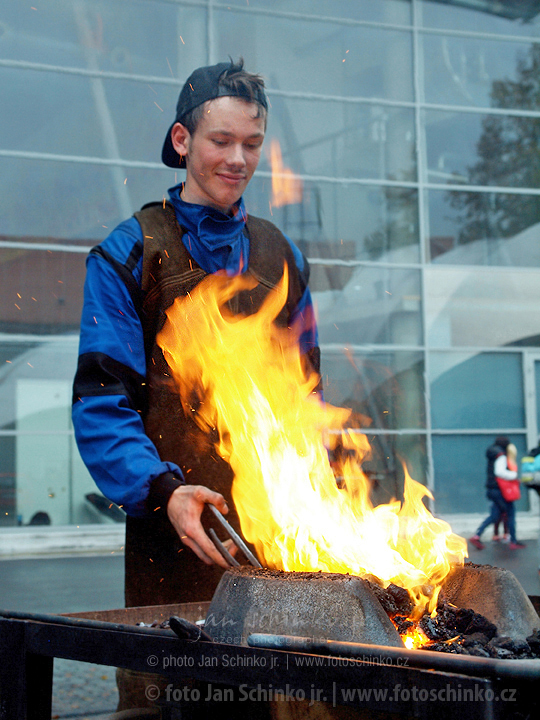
x,y
108,424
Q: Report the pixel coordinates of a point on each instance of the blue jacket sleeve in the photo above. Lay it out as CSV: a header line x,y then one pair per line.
x,y
109,389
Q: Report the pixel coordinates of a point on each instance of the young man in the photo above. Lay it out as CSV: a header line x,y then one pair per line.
x,y
144,453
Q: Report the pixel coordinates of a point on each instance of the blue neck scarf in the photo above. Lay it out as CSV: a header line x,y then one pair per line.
x,y
215,241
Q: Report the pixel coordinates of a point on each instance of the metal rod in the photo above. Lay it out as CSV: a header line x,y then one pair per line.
x,y
82,622
528,670
222,549
236,537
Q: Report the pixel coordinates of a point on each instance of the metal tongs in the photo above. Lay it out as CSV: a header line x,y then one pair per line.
x,y
235,537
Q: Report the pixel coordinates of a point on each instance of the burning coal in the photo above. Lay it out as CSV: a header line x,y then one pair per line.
x,y
276,433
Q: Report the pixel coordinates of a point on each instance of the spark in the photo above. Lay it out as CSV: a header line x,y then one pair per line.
x,y
166,253
19,296
125,181
182,39
191,86
388,293
151,88
18,308
155,103
170,68
34,299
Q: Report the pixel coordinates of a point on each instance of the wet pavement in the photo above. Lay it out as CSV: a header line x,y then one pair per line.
x,y
78,584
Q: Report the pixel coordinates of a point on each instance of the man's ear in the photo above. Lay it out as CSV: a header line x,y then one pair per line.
x,y
180,138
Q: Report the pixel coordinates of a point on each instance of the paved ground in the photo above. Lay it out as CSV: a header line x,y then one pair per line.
x,y
96,583
61,585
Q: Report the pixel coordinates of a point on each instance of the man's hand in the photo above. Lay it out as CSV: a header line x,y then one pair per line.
x,y
184,510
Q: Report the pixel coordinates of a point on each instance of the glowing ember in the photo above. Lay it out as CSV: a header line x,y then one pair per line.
x,y
286,186
415,638
276,432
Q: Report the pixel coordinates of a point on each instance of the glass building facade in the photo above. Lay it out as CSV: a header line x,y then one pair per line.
x,y
415,128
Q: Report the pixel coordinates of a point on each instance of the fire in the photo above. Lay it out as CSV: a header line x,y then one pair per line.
x,y
415,638
287,187
276,434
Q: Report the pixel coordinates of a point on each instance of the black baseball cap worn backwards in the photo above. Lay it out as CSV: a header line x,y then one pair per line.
x,y
202,85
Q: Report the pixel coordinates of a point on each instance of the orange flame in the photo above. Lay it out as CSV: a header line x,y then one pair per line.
x,y
275,433
415,638
287,188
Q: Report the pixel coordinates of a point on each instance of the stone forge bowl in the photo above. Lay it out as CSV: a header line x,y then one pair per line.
x,y
494,593
306,604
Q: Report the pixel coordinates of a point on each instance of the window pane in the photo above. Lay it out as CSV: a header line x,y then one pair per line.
x,y
319,56
384,390
476,391
482,150
40,468
40,292
72,201
397,11
325,224
113,36
473,71
460,473
468,228
53,361
355,141
506,18
367,305
85,116
474,307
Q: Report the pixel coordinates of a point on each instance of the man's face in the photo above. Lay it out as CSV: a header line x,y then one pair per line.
x,y
223,152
